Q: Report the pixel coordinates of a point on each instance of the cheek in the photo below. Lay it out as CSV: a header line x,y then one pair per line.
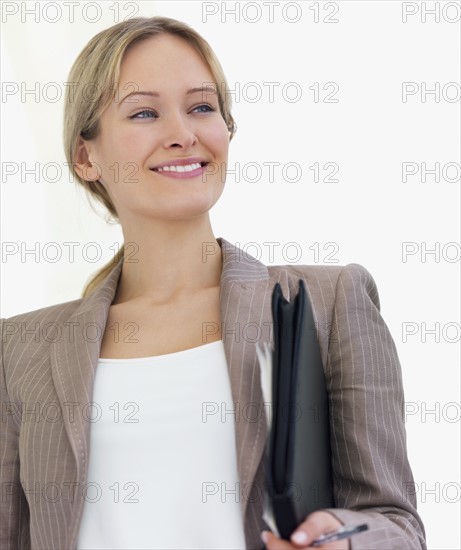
x,y
124,144
218,138
127,145
121,163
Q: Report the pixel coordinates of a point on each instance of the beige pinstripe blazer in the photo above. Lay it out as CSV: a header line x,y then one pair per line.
x,y
49,358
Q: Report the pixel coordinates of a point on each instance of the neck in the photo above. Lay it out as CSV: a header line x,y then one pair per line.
x,y
164,261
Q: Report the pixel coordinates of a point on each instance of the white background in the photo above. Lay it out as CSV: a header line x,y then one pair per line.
x,y
368,214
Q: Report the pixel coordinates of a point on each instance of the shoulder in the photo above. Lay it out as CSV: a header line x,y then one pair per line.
x,y
25,338
341,282
353,272
357,283
54,313
318,268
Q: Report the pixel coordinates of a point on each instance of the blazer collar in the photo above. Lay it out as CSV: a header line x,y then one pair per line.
x,y
244,306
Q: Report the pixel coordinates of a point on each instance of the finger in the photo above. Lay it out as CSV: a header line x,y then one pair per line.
x,y
338,545
316,524
272,542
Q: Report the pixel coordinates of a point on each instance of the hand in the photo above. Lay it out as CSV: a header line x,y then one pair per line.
x,y
316,524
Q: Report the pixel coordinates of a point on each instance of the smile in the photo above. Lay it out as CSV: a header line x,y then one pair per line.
x,y
187,171
185,168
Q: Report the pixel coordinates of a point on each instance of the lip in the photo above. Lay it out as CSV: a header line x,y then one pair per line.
x,y
181,162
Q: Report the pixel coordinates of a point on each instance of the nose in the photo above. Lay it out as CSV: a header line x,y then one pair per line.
x,y
178,132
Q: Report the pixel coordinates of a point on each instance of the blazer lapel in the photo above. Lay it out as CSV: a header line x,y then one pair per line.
x,y
246,319
73,365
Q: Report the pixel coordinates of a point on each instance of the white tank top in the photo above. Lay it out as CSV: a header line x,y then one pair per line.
x,y
162,468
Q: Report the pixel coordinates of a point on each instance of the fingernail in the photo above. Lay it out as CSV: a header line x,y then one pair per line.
x,y
264,536
300,537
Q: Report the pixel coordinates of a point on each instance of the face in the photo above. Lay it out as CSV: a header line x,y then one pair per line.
x,y
140,132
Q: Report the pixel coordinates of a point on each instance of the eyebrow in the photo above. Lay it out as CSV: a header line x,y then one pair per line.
x,y
210,89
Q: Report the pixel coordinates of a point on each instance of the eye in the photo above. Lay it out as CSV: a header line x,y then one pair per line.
x,y
209,108
142,112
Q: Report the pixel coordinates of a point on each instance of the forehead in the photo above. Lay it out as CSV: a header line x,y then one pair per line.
x,y
160,58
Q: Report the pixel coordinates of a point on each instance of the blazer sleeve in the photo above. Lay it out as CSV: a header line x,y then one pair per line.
x,y
14,509
372,476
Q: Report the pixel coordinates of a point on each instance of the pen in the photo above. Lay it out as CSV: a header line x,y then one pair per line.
x,y
342,533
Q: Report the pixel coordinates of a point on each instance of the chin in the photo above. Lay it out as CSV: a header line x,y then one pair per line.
x,y
176,211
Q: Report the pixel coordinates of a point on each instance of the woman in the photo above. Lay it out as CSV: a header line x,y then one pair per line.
x,y
162,333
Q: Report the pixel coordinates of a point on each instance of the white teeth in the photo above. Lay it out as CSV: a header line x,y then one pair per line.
x,y
186,168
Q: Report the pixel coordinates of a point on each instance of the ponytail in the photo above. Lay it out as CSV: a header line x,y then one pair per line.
x,y
96,279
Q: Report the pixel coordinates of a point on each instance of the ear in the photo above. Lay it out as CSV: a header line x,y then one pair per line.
x,y
87,170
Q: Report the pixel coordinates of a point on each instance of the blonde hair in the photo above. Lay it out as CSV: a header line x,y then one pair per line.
x,y
98,67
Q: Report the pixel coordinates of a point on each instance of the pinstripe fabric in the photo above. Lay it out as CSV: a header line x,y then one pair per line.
x,y
49,358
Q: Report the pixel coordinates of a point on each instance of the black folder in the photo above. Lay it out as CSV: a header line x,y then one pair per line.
x,y
298,471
